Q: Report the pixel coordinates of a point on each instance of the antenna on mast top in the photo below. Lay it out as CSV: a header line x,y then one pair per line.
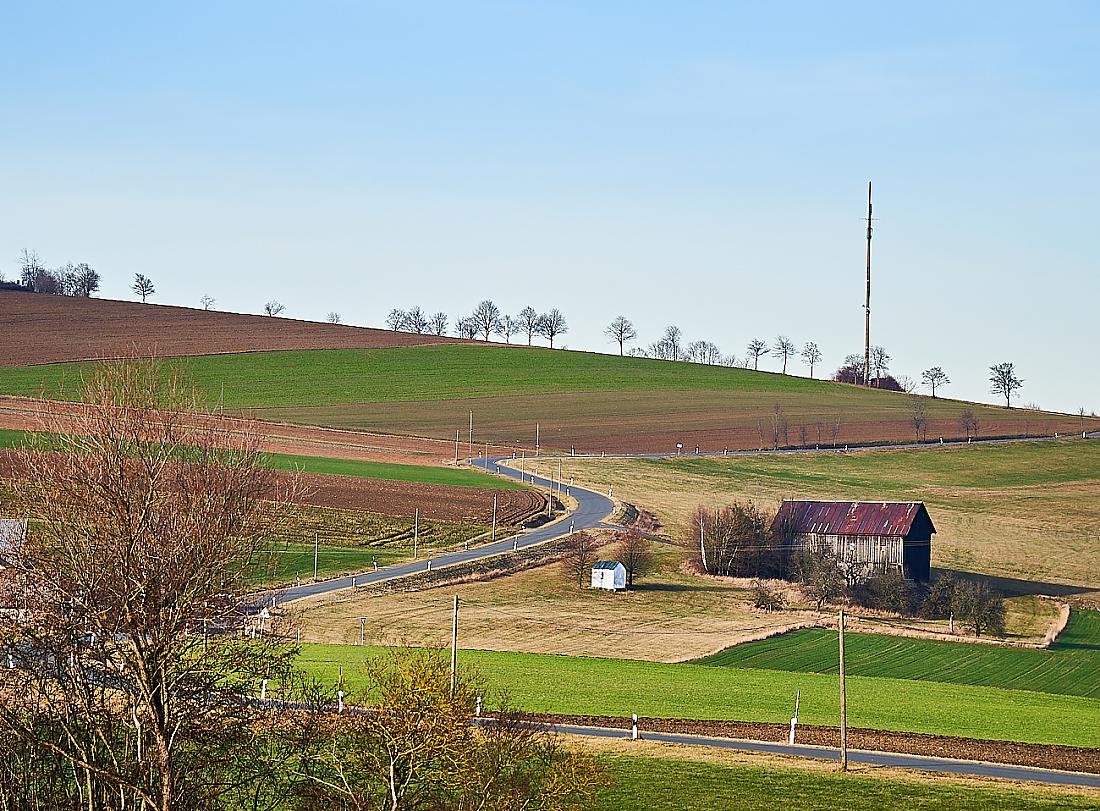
x,y
867,305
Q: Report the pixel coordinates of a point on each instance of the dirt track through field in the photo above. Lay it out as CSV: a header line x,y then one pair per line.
x,y
66,328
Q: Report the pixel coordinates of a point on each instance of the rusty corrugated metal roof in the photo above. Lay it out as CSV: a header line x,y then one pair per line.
x,y
891,518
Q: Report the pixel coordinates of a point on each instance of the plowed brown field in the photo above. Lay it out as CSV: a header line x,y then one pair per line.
x,y
458,504
64,328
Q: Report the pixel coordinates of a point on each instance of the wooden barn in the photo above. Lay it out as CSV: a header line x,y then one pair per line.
x,y
879,535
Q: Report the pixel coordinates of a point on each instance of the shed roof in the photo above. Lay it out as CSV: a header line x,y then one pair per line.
x,y
606,564
890,518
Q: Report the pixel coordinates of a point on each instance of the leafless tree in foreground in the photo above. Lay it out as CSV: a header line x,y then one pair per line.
x,y
1003,381
145,520
784,347
812,355
621,331
274,308
756,349
934,378
143,286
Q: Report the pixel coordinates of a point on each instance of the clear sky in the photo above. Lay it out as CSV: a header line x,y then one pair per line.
x,y
696,164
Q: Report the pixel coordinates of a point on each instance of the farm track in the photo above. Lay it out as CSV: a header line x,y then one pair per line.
x,y
67,328
1038,756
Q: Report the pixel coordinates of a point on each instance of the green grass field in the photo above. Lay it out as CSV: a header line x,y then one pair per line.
x,y
561,684
420,474
1070,669
447,371
686,785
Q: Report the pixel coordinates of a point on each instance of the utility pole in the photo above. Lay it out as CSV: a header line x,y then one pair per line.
x,y
471,434
416,531
458,432
454,646
536,439
314,555
843,704
867,305
494,536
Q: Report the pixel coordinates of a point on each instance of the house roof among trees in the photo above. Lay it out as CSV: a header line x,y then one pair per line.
x,y
890,518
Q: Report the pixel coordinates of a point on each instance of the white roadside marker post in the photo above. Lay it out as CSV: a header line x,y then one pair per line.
x,y
634,726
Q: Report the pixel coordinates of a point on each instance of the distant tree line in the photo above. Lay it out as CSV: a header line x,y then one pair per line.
x,y
79,279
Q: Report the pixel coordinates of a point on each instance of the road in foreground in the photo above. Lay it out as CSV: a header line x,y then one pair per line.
x,y
970,768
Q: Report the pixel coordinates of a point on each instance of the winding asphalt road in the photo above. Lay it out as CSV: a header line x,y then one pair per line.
x,y
592,510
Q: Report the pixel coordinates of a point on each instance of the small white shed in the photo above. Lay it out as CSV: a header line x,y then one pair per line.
x,y
609,575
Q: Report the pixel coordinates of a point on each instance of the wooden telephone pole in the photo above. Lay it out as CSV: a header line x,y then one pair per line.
x,y
867,305
843,704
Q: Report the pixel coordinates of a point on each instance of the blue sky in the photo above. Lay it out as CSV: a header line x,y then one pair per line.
x,y
703,165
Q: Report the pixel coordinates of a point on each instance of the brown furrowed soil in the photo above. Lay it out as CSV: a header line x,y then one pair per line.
x,y
27,414
436,501
67,328
655,421
1042,756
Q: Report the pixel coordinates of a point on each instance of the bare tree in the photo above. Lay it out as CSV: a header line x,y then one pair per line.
x,y
508,327
756,350
918,416
395,320
83,280
819,574
438,324
733,541
529,323
982,608
207,302
146,523
668,347
466,328
333,317
273,308
143,286
551,325
935,377
784,347
635,553
486,317
580,555
812,355
621,331
416,321
968,423
1003,381
880,363
703,352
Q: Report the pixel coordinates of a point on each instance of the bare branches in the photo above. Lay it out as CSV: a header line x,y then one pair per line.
x,y
143,286
621,331
1003,381
934,378
756,350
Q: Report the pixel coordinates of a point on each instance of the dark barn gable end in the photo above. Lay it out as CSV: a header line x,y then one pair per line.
x,y
881,535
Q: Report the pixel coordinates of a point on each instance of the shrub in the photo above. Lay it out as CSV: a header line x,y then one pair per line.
x,y
766,597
